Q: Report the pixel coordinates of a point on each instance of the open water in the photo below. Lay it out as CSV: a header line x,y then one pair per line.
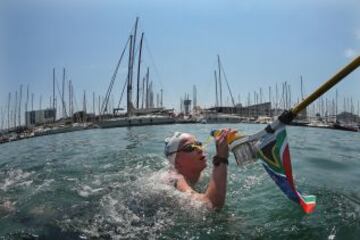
x,y
106,184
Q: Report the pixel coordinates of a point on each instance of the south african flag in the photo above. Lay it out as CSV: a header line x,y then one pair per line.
x,y
275,155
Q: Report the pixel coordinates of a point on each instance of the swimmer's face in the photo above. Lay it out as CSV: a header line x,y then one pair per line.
x,y
190,155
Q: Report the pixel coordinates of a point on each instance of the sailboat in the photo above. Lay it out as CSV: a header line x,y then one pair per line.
x,y
135,115
345,127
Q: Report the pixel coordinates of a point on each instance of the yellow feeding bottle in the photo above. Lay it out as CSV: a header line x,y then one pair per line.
x,y
231,137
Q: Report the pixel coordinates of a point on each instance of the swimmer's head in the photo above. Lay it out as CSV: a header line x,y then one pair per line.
x,y
172,145
184,152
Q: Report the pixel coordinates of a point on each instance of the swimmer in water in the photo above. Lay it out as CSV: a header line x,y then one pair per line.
x,y
188,160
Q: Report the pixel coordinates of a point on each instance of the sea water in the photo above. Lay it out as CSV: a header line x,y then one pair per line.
x,y
107,184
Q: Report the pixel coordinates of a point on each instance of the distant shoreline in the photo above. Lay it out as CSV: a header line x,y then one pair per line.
x,y
139,121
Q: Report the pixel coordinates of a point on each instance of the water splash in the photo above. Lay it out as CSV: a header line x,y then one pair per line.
x,y
13,178
332,234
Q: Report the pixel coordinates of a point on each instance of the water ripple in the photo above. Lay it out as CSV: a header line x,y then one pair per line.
x,y
109,184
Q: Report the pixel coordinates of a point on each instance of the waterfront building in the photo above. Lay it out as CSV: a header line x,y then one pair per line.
x,y
262,109
37,117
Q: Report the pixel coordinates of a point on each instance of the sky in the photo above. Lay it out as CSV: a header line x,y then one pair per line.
x,y
260,43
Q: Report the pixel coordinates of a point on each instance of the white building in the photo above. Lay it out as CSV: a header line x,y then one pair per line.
x,y
33,118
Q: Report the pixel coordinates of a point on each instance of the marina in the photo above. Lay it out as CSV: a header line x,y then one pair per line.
x,y
179,120
159,120
141,108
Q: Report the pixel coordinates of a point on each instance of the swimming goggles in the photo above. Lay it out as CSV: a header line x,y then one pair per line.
x,y
190,148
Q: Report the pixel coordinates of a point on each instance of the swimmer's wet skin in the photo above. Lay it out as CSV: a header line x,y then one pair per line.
x,y
188,160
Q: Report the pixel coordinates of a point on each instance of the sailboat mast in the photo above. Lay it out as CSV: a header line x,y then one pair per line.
x,y
216,91
32,101
336,102
131,67
15,107
84,102
2,117
138,72
147,89
129,85
270,101
99,106
20,100
63,94
143,93
8,111
161,97
302,93
220,87
54,92
134,44
70,111
27,100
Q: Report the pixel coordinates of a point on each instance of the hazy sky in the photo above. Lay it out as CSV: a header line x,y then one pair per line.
x,y
261,43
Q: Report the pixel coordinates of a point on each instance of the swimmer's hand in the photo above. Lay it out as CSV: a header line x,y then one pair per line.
x,y
222,148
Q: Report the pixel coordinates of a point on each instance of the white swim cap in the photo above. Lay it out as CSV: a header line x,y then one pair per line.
x,y
172,145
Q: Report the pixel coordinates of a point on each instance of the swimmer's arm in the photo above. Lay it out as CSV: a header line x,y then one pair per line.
x,y
216,190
